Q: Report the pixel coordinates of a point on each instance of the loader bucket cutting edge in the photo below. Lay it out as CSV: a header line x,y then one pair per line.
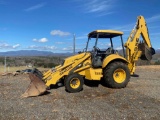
x,y
36,86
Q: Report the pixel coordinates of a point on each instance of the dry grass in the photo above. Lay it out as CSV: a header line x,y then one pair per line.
x,y
14,69
11,69
148,67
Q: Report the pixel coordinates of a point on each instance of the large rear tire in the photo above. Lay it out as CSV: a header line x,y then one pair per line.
x,y
116,75
74,83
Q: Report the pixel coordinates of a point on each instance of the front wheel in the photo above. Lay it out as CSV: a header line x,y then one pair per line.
x,y
116,75
74,83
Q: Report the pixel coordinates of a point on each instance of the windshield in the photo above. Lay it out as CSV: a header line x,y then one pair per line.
x,y
104,43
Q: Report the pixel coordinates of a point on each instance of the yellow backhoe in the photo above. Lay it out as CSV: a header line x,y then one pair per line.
x,y
97,64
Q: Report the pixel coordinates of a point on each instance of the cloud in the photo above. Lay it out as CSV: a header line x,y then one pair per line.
x,y
129,27
59,33
98,5
70,48
153,19
16,46
82,37
104,44
38,6
102,7
42,40
123,28
118,48
7,46
60,42
53,48
42,47
103,14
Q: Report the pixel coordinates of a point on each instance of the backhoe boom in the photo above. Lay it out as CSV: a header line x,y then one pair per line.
x,y
136,48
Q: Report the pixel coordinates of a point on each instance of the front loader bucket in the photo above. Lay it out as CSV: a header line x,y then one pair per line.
x,y
36,86
146,51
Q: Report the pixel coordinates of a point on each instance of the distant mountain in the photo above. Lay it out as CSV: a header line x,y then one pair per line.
x,y
158,51
32,53
42,53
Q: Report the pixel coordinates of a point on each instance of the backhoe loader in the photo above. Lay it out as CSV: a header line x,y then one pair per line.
x,y
97,64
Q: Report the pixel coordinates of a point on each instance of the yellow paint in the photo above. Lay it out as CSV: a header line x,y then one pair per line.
x,y
112,57
81,70
132,51
75,83
119,75
53,76
107,31
93,74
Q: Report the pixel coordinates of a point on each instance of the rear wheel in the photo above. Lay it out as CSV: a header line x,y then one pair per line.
x,y
74,83
116,75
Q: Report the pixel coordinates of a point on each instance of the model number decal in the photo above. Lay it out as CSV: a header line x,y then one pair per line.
x,y
98,73
66,69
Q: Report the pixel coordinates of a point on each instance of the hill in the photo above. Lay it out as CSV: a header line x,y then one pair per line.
x,y
32,53
158,51
44,53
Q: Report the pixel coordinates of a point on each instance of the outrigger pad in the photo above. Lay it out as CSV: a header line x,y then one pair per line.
x,y
36,86
146,51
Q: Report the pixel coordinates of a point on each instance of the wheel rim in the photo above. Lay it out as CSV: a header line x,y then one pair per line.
x,y
119,75
75,83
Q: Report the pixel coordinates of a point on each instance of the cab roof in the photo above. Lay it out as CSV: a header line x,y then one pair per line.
x,y
105,33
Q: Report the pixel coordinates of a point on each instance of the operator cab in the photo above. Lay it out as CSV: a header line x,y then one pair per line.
x,y
101,47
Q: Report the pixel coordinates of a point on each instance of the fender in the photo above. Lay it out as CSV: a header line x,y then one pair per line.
x,y
113,57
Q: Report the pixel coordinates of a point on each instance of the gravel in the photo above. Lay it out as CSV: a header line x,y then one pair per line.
x,y
139,100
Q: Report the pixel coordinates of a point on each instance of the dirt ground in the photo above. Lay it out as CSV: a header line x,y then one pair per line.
x,y
140,100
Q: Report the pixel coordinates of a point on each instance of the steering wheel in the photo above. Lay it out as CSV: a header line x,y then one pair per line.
x,y
96,49
109,50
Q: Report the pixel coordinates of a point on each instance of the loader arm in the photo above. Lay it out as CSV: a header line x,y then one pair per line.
x,y
40,82
52,77
135,48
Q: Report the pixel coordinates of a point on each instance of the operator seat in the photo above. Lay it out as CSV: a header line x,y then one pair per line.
x,y
109,51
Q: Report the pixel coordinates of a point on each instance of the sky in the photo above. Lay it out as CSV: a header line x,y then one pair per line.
x,y
51,24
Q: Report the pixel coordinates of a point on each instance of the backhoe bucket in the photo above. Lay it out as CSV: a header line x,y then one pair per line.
x,y
146,51
36,87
